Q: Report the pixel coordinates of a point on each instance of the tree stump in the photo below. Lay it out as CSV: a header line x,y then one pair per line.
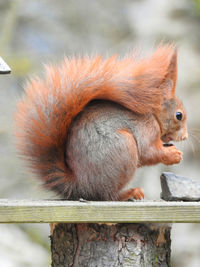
x,y
110,245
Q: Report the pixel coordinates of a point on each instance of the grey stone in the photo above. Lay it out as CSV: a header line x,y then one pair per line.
x,y
179,188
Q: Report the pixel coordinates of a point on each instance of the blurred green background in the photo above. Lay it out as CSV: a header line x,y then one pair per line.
x,y
36,32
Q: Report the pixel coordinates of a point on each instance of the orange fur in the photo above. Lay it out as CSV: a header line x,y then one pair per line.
x,y
44,115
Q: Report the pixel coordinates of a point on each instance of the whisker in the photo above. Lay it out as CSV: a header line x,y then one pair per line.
x,y
194,132
194,129
191,145
195,137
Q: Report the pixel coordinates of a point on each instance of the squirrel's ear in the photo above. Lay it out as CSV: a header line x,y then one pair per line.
x,y
169,82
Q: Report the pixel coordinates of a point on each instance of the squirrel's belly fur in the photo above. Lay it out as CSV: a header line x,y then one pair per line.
x,y
86,149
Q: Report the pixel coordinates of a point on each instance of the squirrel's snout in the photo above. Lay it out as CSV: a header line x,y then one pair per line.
x,y
182,134
185,136
185,133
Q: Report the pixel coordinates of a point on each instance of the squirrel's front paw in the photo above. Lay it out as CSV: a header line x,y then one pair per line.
x,y
172,155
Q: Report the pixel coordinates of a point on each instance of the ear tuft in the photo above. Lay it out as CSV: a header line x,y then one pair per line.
x,y
172,69
169,82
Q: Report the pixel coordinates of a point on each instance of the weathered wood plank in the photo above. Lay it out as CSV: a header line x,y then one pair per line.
x,y
44,211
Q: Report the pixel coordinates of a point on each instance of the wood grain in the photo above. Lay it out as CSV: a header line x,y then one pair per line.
x,y
126,244
45,211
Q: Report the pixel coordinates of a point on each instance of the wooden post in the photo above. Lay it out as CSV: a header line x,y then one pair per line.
x,y
97,245
98,234
135,231
107,245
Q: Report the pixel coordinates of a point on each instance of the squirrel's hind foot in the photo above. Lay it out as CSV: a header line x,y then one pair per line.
x,y
135,193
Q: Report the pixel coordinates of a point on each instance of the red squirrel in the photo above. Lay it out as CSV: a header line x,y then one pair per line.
x,y
91,122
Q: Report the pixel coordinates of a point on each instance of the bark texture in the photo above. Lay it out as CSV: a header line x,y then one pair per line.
x,y
107,245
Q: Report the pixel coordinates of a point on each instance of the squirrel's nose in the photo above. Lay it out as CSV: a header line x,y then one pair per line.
x,y
185,136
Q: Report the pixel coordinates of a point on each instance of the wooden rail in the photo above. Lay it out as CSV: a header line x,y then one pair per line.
x,y
45,211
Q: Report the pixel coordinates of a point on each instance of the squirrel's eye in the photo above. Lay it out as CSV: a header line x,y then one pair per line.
x,y
179,115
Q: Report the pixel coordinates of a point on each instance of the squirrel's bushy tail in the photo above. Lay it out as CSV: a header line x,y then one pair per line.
x,y
44,115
